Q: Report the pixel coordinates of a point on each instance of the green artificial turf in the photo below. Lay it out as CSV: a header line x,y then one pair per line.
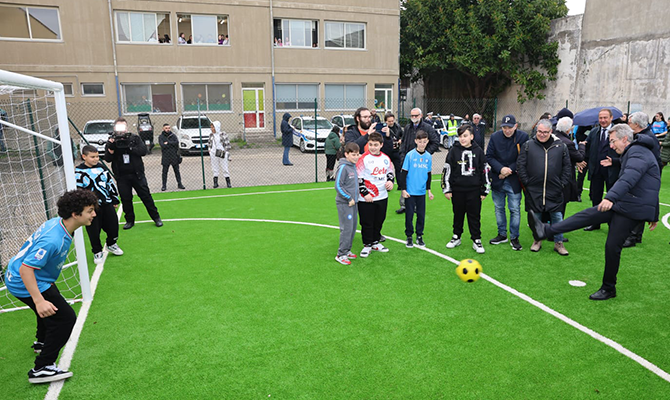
x,y
232,309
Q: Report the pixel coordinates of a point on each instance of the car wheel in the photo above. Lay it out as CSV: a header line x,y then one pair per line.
x,y
303,147
445,141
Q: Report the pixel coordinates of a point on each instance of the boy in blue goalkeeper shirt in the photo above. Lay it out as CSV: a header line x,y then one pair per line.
x,y
414,180
91,175
31,275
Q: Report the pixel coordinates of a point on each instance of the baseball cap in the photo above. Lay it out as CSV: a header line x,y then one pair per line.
x,y
508,121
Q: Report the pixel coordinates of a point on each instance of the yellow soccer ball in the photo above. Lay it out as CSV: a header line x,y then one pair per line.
x,y
468,270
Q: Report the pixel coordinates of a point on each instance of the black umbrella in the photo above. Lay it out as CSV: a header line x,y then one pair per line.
x,y
589,117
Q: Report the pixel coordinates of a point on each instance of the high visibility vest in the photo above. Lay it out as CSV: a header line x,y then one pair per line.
x,y
452,127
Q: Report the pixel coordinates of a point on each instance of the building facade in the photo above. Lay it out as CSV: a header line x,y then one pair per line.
x,y
239,59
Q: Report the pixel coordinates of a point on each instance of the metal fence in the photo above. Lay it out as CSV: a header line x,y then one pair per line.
x,y
254,131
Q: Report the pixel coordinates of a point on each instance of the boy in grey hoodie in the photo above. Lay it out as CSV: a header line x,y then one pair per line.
x,y
346,186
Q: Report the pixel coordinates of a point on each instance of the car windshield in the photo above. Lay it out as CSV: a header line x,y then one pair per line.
x,y
145,121
98,127
349,121
192,123
308,123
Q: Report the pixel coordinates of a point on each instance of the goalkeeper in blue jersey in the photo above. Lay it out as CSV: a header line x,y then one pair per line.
x,y
91,175
31,275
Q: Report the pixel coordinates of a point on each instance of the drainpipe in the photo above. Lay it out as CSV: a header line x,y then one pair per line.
x,y
272,58
116,71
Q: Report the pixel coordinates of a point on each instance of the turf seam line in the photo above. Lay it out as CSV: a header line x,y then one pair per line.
x,y
68,352
609,342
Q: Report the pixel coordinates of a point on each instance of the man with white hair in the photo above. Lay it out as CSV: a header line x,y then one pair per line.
x,y
633,198
479,130
417,123
639,123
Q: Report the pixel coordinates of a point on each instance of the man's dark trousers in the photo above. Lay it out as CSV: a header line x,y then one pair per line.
x,y
619,229
415,204
597,188
126,184
372,216
53,331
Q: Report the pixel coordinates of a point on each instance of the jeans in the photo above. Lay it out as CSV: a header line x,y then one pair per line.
x,y
514,204
415,204
452,139
285,160
557,217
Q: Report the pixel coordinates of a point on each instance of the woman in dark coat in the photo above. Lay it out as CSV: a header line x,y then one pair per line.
x,y
286,137
170,155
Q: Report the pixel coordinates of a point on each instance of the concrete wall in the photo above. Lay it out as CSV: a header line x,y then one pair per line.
x,y
615,54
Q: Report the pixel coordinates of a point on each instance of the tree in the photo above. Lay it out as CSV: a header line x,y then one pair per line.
x,y
479,47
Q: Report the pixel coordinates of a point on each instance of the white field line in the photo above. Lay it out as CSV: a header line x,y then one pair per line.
x,y
238,194
68,352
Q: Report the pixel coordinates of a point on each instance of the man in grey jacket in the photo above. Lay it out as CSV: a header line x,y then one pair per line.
x,y
346,199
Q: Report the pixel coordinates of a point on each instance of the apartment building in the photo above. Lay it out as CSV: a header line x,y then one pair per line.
x,y
237,58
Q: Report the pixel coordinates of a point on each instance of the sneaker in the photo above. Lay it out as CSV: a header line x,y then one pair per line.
x,y
115,249
560,249
37,347
380,248
498,239
419,242
50,373
409,244
536,246
344,260
454,242
401,210
97,258
477,245
515,244
382,238
351,256
366,251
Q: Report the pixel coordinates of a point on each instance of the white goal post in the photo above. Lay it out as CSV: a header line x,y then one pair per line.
x,y
53,114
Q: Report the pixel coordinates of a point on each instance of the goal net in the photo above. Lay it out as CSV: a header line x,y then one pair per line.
x,y
36,168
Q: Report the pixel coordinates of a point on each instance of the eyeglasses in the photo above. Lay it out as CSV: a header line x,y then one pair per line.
x,y
543,132
366,116
415,115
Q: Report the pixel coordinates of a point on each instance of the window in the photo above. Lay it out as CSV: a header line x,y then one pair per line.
x,y
296,97
296,33
384,97
138,27
68,89
203,29
345,97
213,96
92,89
345,35
144,98
35,23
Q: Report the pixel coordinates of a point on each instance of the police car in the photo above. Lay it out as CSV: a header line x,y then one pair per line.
x,y
343,120
440,125
303,132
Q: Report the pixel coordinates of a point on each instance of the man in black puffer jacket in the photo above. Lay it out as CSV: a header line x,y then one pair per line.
x,y
544,170
633,198
286,137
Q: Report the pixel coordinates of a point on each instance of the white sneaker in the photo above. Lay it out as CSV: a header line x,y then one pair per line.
x,y
454,242
97,258
351,256
115,249
380,248
366,251
477,245
344,260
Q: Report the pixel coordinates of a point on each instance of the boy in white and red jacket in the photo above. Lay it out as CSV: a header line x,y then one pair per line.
x,y
375,179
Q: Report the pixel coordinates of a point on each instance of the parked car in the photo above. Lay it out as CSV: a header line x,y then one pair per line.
x,y
97,132
146,130
190,138
303,132
440,125
343,120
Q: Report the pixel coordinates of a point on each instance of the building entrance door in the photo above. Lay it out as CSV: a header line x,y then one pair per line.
x,y
254,108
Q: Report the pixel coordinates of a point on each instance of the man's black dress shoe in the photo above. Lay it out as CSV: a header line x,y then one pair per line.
x,y
158,222
401,210
536,225
629,243
603,294
592,228
128,225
